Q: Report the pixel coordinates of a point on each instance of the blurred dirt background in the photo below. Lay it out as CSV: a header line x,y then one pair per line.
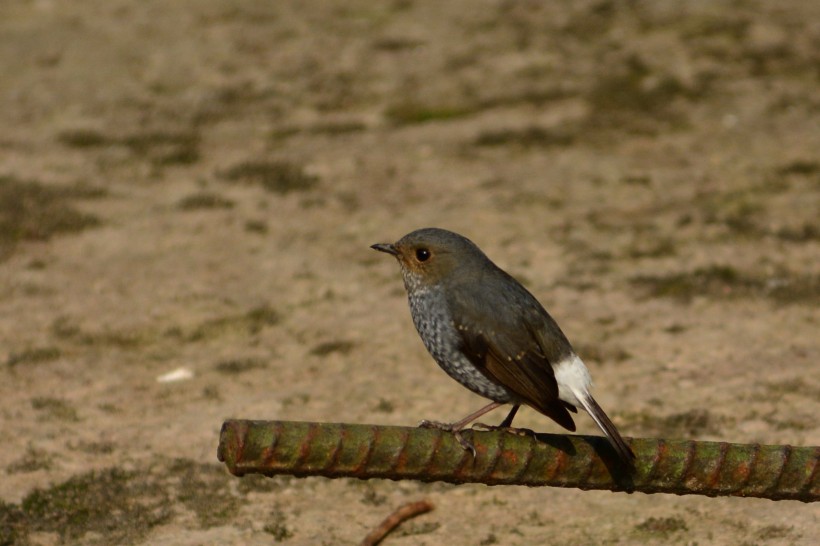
x,y
195,184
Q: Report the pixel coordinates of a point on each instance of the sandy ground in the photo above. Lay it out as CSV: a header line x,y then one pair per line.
x,y
195,184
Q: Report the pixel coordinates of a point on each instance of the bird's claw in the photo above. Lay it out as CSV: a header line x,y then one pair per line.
x,y
511,430
424,423
465,443
447,427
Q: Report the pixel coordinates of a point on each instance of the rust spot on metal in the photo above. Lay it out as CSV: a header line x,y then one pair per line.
x,y
557,469
743,471
588,471
401,457
507,464
269,452
431,454
306,445
356,451
688,460
492,464
510,457
373,438
784,460
430,465
333,460
524,471
714,477
658,454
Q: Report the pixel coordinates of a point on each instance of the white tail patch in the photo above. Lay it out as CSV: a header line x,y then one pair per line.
x,y
574,383
573,380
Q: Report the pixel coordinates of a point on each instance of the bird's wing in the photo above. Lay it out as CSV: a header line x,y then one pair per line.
x,y
503,345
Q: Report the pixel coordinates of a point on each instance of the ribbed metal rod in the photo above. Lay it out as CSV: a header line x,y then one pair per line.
x,y
681,467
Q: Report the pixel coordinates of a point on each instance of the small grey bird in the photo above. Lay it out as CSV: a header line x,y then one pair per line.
x,y
490,334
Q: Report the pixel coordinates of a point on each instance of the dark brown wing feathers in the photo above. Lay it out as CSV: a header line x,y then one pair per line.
x,y
509,354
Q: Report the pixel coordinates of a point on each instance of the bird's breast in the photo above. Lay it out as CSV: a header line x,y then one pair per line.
x,y
438,331
434,323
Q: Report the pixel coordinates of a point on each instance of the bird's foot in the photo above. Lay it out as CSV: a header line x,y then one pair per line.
x,y
450,427
511,430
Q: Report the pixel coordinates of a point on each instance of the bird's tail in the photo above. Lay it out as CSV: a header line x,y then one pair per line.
x,y
608,428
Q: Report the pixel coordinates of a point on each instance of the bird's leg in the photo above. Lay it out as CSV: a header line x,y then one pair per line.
x,y
456,427
506,425
507,422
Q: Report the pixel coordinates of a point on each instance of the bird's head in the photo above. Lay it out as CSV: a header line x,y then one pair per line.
x,y
430,256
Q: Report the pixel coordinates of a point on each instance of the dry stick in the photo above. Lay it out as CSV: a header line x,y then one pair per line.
x,y
682,467
401,514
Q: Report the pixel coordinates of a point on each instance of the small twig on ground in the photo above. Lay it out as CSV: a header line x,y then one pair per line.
x,y
401,514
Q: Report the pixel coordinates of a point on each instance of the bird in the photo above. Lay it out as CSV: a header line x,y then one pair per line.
x,y
489,333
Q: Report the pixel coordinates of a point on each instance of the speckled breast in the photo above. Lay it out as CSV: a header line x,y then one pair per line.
x,y
437,331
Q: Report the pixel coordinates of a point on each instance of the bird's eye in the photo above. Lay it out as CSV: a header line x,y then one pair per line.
x,y
422,254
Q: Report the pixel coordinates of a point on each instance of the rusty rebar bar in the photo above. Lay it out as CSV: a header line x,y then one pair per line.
x,y
681,467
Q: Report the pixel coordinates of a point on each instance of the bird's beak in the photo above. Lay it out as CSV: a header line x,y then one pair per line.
x,y
385,247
